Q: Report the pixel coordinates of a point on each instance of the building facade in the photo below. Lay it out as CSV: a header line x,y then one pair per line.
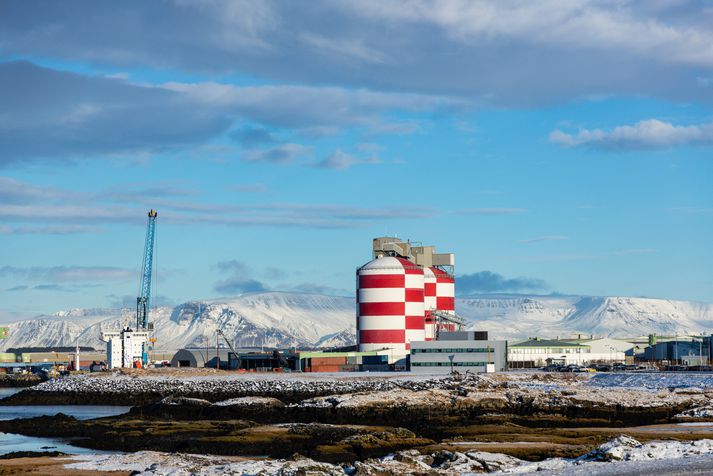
x,y
538,353
125,348
444,356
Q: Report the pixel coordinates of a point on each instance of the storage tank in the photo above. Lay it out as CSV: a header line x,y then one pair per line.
x,y
445,294
390,309
429,302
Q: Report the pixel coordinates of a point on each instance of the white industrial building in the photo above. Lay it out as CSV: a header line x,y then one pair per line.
x,y
125,348
457,351
538,353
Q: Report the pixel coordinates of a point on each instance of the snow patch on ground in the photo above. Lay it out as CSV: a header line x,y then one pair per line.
x,y
652,380
705,411
608,458
621,449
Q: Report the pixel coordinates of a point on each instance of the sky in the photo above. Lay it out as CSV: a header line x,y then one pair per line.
x,y
560,146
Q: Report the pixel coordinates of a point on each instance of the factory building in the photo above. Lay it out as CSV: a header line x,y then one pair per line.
x,y
460,352
404,294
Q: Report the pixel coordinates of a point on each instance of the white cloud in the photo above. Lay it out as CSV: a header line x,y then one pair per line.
x,y
283,154
611,25
340,160
503,52
648,134
69,273
313,106
83,213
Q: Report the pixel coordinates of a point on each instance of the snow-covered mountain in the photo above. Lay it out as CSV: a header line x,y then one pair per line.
x,y
285,319
509,317
270,319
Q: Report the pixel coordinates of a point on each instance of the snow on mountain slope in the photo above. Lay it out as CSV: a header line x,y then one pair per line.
x,y
270,319
514,316
509,317
285,319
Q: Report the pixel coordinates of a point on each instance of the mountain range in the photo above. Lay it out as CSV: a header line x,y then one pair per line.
x,y
276,319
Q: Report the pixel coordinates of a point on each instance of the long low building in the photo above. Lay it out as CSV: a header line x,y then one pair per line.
x,y
538,352
461,355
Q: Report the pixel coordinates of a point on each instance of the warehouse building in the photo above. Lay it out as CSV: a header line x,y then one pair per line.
x,y
537,352
352,361
250,359
679,352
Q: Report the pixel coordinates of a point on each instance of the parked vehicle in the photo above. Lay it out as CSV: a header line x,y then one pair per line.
x,y
602,367
574,368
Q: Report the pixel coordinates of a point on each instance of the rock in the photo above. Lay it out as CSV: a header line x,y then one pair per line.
x,y
185,401
494,461
613,450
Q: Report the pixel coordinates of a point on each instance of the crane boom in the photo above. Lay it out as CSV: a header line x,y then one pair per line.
x,y
143,300
230,346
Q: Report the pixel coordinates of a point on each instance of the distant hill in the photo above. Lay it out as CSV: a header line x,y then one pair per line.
x,y
276,319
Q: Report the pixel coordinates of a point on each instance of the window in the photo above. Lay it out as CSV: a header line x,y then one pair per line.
x,y
453,350
448,364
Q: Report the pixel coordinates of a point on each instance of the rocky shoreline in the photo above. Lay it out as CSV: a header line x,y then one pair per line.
x,y
19,380
335,419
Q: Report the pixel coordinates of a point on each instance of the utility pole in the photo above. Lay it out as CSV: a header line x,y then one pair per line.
x,y
675,349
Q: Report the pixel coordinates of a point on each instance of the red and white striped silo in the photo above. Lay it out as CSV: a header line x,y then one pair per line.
x,y
390,304
429,302
445,294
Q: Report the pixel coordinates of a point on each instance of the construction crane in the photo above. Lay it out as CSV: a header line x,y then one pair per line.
x,y
230,346
143,300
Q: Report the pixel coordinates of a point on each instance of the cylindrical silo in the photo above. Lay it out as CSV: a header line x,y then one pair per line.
x,y
429,303
445,294
390,308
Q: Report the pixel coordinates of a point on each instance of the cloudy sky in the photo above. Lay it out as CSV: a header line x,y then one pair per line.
x,y
554,146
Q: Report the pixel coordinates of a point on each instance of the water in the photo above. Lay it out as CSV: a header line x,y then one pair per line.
x,y
80,412
10,442
7,391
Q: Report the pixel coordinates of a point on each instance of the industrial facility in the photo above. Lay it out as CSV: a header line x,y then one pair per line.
x,y
405,294
130,347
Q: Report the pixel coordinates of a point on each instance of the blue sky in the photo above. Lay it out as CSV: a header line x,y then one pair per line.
x,y
559,146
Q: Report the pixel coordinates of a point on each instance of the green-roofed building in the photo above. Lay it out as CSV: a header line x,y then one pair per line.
x,y
540,352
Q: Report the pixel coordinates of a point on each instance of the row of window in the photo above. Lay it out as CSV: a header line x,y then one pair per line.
x,y
549,350
448,364
449,351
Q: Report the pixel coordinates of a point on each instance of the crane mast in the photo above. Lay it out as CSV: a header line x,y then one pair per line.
x,y
143,300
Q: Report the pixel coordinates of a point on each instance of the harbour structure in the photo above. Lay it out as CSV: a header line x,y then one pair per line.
x,y
405,294
130,347
125,348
